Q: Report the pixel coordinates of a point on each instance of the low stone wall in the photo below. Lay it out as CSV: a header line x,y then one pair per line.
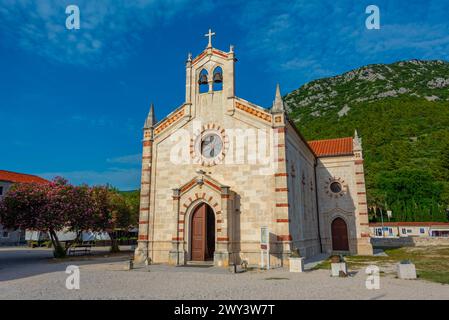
x,y
409,242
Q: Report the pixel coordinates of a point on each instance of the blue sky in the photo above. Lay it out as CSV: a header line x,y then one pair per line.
x,y
73,102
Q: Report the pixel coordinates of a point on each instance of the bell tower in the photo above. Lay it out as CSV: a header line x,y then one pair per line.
x,y
210,73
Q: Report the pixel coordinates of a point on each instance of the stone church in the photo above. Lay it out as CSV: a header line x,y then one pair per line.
x,y
219,168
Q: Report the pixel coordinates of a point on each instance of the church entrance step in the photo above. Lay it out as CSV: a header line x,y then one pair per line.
x,y
200,263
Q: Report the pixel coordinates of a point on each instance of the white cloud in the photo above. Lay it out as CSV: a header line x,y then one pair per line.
x,y
109,28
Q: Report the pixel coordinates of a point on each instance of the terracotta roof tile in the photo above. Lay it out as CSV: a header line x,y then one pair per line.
x,y
20,177
332,147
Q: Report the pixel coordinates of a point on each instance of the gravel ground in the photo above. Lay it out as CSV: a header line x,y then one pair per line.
x,y
32,274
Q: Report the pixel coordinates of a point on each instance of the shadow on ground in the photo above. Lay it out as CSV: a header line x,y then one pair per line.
x,y
20,262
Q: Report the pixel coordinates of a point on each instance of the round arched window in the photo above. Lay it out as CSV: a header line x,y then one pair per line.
x,y
336,187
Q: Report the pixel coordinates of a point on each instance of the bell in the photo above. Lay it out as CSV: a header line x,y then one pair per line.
x,y
218,77
203,79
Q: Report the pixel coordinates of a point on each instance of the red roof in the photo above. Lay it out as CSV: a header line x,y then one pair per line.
x,y
332,147
20,177
409,224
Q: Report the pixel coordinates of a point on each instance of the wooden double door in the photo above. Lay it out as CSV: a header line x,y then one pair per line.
x,y
202,233
339,235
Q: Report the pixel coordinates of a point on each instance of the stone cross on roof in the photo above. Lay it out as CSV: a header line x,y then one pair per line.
x,y
210,34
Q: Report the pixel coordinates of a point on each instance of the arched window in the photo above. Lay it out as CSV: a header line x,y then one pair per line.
x,y
203,81
218,79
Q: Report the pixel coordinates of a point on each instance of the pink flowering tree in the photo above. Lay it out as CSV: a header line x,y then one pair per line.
x,y
56,206
59,206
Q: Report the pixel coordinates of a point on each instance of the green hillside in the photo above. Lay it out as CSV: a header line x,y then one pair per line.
x,y
401,111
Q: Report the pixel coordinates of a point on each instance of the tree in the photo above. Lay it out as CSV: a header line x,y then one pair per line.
x,y
53,207
112,212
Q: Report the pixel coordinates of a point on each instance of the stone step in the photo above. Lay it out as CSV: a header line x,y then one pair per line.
x,y
200,263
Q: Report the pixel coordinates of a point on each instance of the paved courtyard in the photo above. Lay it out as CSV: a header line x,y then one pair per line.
x,y
33,274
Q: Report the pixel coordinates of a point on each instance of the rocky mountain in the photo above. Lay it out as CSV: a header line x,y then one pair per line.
x,y
401,110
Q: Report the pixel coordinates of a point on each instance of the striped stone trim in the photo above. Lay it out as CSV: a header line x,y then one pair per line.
x,y
286,237
253,111
213,185
199,57
143,237
364,235
219,53
143,222
281,190
281,129
169,121
177,239
282,220
281,174
358,161
147,143
222,238
282,205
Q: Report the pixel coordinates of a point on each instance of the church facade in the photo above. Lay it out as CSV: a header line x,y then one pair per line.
x,y
219,168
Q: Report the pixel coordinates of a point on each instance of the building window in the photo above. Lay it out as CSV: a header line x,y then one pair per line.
x,y
421,230
335,187
5,234
404,231
1,191
409,230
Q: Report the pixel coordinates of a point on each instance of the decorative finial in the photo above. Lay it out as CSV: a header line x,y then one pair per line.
x,y
278,104
189,57
210,34
151,119
231,48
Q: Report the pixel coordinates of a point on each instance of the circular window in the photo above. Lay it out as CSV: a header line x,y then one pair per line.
x,y
335,187
211,145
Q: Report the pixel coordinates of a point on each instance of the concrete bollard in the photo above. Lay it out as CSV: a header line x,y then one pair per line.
x,y
129,265
406,270
296,264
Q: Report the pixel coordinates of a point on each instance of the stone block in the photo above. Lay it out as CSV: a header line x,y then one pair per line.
x,y
406,271
337,267
296,264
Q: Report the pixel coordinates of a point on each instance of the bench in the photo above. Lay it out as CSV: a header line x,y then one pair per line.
x,y
79,249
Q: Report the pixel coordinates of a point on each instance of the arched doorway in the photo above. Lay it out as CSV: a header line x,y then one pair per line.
x,y
339,235
202,235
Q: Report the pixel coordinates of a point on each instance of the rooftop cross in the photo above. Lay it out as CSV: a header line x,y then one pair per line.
x,y
210,34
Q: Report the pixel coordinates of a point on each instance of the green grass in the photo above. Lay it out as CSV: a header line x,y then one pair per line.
x,y
432,263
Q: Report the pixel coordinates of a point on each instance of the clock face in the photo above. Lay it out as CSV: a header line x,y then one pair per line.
x,y
211,145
